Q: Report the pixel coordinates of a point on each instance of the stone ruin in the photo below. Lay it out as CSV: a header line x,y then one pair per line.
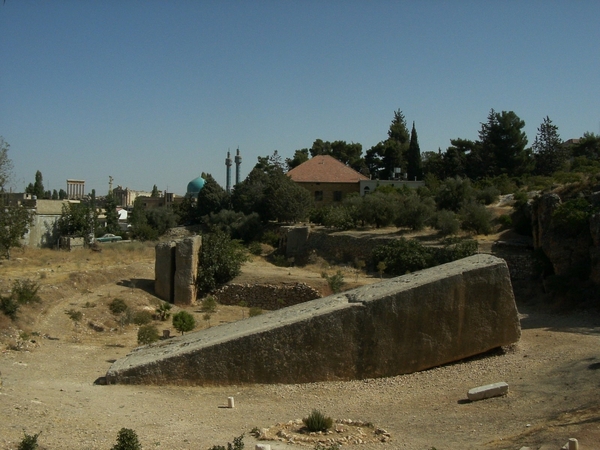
x,y
175,270
401,325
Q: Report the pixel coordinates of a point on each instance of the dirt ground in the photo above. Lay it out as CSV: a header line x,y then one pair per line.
x,y
48,365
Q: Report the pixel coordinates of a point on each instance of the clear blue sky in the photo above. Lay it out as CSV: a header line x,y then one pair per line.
x,y
156,92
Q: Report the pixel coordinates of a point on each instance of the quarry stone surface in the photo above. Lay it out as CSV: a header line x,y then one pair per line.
x,y
186,268
488,391
164,270
401,325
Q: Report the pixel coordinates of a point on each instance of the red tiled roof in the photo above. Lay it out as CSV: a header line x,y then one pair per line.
x,y
325,169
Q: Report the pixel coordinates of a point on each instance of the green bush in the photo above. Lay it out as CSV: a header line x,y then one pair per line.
x,y
487,195
339,217
572,217
476,218
127,439
402,256
117,306
183,321
23,292
26,292
317,421
74,315
505,221
279,260
163,310
142,317
9,306
415,212
29,442
147,334
238,444
447,222
255,311
209,304
271,238
255,248
221,260
335,282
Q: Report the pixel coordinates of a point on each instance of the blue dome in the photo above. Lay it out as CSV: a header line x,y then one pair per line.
x,y
195,186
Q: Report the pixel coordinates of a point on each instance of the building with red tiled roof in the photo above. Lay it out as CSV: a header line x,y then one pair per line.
x,y
327,179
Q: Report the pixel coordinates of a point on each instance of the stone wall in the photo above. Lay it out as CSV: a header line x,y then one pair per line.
x,y
266,296
401,325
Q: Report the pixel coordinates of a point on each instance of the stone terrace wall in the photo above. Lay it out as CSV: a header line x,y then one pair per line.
x,y
401,325
344,248
266,296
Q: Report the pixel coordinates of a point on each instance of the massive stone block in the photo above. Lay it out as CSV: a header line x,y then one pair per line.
x,y
186,269
164,270
398,326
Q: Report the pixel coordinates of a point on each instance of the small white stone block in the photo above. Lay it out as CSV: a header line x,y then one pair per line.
x,y
230,402
573,444
262,447
488,391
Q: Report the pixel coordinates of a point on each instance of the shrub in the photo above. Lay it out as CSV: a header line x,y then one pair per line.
x,y
280,260
142,317
221,260
117,306
9,306
476,217
271,238
25,292
147,334
238,444
22,293
255,248
487,195
335,282
447,222
127,439
209,304
505,221
572,217
163,310
402,256
317,421
29,442
415,212
340,218
183,321
255,311
74,315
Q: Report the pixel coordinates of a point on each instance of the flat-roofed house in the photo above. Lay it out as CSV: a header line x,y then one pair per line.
x,y
327,179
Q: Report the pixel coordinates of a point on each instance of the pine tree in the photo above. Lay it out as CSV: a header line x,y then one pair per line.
x,y
414,167
549,153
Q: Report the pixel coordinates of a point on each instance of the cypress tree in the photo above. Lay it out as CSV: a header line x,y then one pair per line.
x,y
413,157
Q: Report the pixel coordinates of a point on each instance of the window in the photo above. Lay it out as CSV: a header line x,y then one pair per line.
x,y
318,196
337,196
366,190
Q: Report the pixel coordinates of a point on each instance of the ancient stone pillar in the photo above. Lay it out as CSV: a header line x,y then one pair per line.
x,y
186,269
164,270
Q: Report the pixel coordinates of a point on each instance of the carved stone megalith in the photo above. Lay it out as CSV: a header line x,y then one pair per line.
x,y
164,271
186,269
401,325
175,270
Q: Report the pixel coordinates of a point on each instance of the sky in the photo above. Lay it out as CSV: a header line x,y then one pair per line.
x,y
156,92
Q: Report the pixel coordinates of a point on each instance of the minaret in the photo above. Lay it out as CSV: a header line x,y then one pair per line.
x,y
228,164
238,163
